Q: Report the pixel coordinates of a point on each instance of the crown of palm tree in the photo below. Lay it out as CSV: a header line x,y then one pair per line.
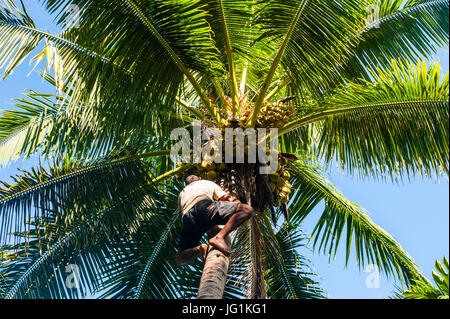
x,y
130,71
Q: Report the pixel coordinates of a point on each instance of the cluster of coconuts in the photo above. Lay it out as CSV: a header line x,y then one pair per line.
x,y
275,115
210,171
271,115
279,183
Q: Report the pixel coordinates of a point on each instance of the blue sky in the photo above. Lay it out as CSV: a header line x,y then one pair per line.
x,y
415,213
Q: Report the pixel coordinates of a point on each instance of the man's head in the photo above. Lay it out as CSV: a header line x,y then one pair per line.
x,y
191,178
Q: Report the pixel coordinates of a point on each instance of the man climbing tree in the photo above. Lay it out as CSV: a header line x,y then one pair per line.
x,y
202,205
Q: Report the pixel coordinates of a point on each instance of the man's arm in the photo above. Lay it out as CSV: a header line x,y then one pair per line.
x,y
221,195
228,198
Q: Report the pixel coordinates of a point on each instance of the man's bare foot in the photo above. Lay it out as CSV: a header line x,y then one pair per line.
x,y
204,251
219,243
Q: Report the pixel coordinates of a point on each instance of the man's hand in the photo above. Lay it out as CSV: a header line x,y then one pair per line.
x,y
228,198
232,199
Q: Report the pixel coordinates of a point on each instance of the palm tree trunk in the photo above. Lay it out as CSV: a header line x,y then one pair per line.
x,y
256,288
212,282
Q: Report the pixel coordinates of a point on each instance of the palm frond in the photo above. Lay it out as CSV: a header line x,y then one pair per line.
x,y
147,268
105,69
35,272
36,193
247,49
22,131
383,30
406,116
324,26
289,274
151,261
17,38
373,245
423,289
286,272
151,39
93,235
291,28
42,123
417,28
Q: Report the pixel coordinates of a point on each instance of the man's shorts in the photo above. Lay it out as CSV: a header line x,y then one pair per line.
x,y
200,218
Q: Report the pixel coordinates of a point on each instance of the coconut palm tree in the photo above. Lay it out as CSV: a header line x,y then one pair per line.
x,y
340,79
422,289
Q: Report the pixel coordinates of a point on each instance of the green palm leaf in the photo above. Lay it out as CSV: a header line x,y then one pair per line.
x,y
322,26
22,131
92,236
373,245
406,111
16,39
97,70
34,194
404,31
384,29
289,274
133,70
42,123
423,289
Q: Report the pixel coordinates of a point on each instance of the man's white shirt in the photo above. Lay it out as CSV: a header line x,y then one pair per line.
x,y
197,191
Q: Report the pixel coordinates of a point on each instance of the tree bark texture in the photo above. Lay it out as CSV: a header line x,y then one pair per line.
x,y
212,282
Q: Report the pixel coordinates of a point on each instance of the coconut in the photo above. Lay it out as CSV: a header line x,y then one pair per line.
x,y
274,177
280,183
286,190
211,175
203,166
285,174
221,166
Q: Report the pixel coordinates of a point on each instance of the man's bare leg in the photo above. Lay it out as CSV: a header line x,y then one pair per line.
x,y
243,213
185,256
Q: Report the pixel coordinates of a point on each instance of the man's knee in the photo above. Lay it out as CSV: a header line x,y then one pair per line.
x,y
246,209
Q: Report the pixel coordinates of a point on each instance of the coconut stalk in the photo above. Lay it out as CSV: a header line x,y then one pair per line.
x,y
257,285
